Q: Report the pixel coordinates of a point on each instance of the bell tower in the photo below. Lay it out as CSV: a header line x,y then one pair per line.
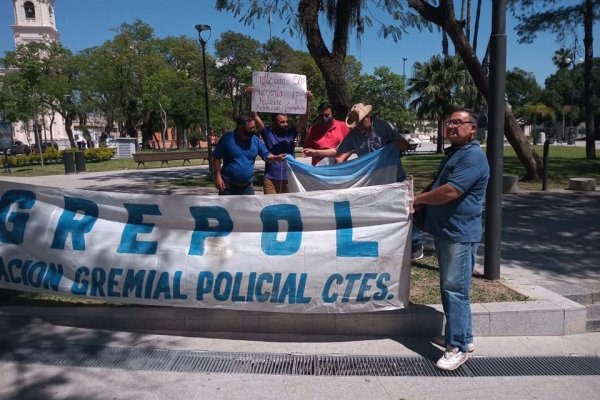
x,y
34,21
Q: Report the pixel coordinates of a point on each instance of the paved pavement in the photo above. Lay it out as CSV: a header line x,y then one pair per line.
x,y
549,240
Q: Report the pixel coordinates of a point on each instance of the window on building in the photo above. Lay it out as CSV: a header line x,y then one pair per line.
x,y
29,9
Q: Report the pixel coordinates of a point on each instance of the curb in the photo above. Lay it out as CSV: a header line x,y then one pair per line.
x,y
548,315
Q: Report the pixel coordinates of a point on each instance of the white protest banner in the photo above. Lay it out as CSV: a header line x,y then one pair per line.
x,y
318,252
276,92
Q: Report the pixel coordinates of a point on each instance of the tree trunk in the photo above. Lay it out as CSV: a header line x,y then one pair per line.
x,y
443,16
476,29
147,133
468,22
330,63
50,128
181,142
68,128
445,43
588,88
130,128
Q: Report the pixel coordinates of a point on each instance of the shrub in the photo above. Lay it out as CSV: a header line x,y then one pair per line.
x,y
35,158
52,154
99,154
18,161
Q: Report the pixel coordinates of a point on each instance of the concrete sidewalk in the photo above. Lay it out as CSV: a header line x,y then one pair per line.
x,y
74,375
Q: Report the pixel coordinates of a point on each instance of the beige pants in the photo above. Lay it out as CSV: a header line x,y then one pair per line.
x,y
273,186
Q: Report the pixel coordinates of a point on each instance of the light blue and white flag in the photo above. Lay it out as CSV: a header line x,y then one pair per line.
x,y
376,168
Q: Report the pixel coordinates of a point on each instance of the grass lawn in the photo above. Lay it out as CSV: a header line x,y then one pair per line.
x,y
565,162
111,165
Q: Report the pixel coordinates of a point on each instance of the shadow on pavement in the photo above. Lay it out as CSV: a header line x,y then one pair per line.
x,y
553,232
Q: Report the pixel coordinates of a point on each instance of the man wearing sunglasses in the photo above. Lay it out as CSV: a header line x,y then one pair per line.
x,y
454,208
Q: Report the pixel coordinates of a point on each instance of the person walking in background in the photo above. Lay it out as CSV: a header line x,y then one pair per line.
x,y
324,136
238,150
279,138
454,207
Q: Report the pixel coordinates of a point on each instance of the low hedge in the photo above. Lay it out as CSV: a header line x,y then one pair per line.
x,y
51,155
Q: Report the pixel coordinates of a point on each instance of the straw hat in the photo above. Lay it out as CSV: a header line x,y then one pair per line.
x,y
357,113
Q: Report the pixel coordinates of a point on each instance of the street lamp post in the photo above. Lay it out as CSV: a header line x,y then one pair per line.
x,y
204,32
404,66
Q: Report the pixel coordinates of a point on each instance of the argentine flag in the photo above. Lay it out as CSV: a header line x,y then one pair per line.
x,y
376,168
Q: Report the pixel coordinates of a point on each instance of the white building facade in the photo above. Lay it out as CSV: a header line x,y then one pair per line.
x,y
35,22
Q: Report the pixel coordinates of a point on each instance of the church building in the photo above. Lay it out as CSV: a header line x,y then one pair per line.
x,y
35,22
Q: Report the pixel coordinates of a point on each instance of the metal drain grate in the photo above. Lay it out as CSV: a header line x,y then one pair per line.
x,y
291,364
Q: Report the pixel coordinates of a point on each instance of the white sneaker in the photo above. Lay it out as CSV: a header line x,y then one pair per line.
x,y
418,252
452,359
441,341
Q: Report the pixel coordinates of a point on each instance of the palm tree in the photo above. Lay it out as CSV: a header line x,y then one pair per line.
x,y
440,86
531,111
563,58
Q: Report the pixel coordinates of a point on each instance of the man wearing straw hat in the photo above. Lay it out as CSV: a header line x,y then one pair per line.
x,y
368,134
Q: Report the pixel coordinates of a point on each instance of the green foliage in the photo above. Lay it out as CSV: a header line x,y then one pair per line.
x,y
535,112
563,58
18,161
341,18
194,138
52,155
385,91
99,154
564,94
521,88
44,81
546,16
238,56
439,87
34,158
358,14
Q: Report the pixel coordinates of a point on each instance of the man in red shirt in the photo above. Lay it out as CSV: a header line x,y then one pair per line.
x,y
325,135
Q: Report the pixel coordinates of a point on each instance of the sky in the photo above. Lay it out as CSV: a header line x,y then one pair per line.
x,y
87,23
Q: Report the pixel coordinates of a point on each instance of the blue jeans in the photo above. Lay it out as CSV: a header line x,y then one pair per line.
x,y
417,237
237,189
457,262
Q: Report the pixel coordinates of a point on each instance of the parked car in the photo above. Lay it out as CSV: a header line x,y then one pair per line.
x,y
19,147
44,145
414,140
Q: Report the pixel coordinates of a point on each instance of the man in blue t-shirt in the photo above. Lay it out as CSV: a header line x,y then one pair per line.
x,y
238,150
454,208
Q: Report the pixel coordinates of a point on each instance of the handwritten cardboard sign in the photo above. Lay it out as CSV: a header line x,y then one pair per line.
x,y
279,93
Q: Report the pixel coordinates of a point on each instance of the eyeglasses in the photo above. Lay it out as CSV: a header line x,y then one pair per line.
x,y
455,123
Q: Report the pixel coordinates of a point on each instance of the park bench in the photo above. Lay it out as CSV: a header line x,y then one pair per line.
x,y
412,147
165,156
